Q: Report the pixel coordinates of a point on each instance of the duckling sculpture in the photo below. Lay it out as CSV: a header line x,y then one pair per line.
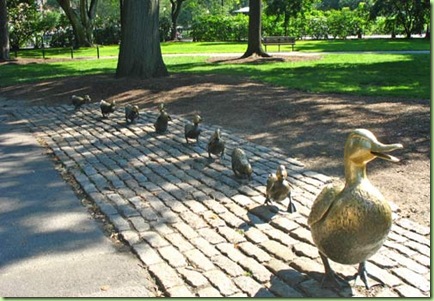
x,y
240,164
107,107
216,144
278,188
192,131
350,223
78,101
163,120
131,113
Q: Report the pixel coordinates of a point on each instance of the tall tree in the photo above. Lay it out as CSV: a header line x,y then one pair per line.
x,y
140,53
4,32
287,9
81,19
175,10
254,45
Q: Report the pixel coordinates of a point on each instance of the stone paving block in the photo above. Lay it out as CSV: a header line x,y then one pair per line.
x,y
219,279
284,223
227,265
147,254
302,234
280,288
130,236
382,275
165,275
254,251
405,290
162,228
383,261
231,251
149,214
257,270
304,249
409,263
281,237
199,260
119,222
254,235
192,277
231,235
180,292
248,285
154,239
139,223
209,292
211,235
416,280
412,226
308,266
205,246
179,241
213,219
278,250
173,256
285,272
187,231
193,220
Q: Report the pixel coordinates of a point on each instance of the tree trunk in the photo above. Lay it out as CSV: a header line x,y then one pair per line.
x,y
254,45
428,32
4,32
140,53
176,9
82,23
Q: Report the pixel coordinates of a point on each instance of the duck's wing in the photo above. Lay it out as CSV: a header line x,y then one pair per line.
x,y
272,178
323,202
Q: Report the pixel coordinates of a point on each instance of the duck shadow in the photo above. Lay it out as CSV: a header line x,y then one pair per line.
x,y
261,214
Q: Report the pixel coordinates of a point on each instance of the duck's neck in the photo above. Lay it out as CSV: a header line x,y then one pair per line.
x,y
354,173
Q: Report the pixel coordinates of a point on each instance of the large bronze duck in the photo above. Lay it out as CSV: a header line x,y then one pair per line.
x,y
350,223
278,188
192,131
162,121
240,164
131,113
216,144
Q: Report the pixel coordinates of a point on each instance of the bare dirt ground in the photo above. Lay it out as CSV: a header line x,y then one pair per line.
x,y
310,127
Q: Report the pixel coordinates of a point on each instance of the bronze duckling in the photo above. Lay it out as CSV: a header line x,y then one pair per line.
x,y
216,144
107,107
350,223
240,164
78,101
163,120
192,131
278,188
131,113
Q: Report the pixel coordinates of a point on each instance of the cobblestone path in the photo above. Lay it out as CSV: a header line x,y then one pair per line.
x,y
200,231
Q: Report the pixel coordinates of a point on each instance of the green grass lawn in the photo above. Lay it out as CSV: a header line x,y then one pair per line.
x,y
228,47
395,75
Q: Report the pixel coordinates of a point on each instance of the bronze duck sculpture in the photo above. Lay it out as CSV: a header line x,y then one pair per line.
x,y
131,113
192,131
162,120
278,188
240,164
78,101
107,107
216,144
350,222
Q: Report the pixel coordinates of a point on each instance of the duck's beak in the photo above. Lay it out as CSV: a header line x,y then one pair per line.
x,y
379,150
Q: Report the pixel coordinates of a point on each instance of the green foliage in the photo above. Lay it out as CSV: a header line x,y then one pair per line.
x,y
220,28
107,33
23,17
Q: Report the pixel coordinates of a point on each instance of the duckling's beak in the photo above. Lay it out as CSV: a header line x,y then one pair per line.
x,y
379,150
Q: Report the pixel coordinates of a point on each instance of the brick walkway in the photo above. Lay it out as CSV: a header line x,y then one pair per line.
x,y
199,230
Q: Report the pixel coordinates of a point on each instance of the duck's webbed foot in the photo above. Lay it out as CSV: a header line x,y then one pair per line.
x,y
267,201
330,280
291,206
363,274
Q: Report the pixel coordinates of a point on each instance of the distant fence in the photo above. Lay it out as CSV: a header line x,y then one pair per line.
x,y
45,53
